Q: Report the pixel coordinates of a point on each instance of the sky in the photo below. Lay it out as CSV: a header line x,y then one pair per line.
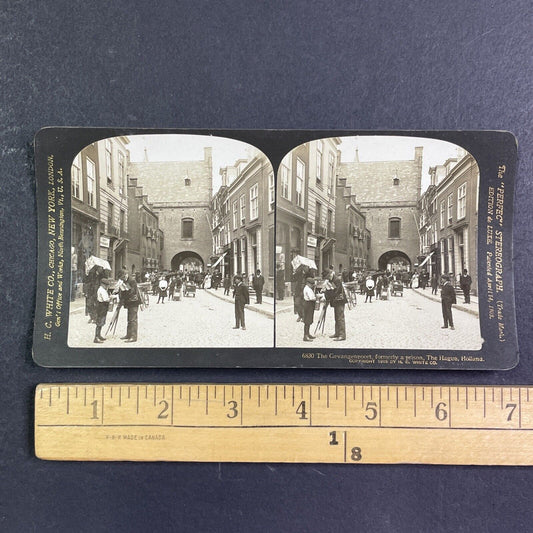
x,y
169,147
394,148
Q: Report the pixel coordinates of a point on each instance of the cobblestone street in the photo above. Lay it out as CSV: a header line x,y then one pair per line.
x,y
202,321
410,322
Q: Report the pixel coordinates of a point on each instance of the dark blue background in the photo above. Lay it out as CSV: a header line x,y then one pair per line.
x,y
251,64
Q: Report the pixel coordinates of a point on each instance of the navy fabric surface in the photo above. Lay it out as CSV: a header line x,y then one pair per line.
x,y
252,64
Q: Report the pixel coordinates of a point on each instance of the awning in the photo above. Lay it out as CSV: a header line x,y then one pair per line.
x,y
218,260
301,260
426,259
327,243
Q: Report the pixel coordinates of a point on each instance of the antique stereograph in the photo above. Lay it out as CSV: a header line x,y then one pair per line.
x,y
289,248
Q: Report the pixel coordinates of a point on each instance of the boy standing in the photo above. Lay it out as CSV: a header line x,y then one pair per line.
x,y
102,306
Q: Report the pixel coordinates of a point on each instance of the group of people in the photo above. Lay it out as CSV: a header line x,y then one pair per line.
x,y
332,293
99,297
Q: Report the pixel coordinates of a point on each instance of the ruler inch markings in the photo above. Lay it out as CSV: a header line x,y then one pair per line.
x,y
470,420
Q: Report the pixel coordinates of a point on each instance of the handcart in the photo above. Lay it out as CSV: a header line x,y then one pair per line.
x,y
189,289
350,291
396,288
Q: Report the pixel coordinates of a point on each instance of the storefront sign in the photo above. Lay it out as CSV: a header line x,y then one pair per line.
x,y
311,241
104,242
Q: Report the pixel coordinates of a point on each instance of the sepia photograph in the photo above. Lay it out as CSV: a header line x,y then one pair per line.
x,y
336,249
172,243
376,245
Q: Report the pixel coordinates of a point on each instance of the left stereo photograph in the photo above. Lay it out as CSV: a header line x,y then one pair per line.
x,y
160,241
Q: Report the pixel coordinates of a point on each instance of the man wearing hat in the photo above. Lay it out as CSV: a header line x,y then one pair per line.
x,y
242,297
448,298
102,306
309,299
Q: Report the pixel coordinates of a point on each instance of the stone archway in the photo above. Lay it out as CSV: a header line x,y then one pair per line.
x,y
394,260
187,261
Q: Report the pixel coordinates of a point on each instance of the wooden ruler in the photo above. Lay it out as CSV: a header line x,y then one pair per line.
x,y
307,423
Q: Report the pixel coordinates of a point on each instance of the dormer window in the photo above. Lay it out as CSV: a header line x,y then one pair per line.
x,y
187,182
396,181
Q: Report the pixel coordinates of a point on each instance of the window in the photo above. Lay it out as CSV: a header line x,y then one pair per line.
x,y
242,205
285,182
442,214
122,172
235,214
76,178
109,216
254,202
331,173
330,221
187,182
318,218
461,201
227,235
319,148
122,220
394,228
271,192
450,208
108,161
300,177
91,183
187,228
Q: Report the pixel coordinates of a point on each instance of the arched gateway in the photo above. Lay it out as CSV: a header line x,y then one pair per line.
x,y
394,260
187,260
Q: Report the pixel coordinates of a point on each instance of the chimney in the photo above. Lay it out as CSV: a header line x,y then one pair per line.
x,y
356,155
145,159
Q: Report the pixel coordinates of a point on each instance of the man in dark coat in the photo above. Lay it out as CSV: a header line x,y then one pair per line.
x,y
242,298
129,298
448,298
465,282
337,300
258,283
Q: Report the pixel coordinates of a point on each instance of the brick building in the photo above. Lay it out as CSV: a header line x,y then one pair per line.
x,y
353,238
85,183
180,193
388,194
449,209
306,207
145,238
113,205
243,219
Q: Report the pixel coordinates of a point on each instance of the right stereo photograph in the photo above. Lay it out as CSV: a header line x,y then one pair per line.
x,y
376,245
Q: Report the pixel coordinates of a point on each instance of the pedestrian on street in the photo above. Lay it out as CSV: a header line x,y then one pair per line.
x,y
242,298
298,284
280,282
337,300
163,284
465,282
434,283
258,283
379,287
171,288
227,285
448,299
130,299
369,289
309,298
102,306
